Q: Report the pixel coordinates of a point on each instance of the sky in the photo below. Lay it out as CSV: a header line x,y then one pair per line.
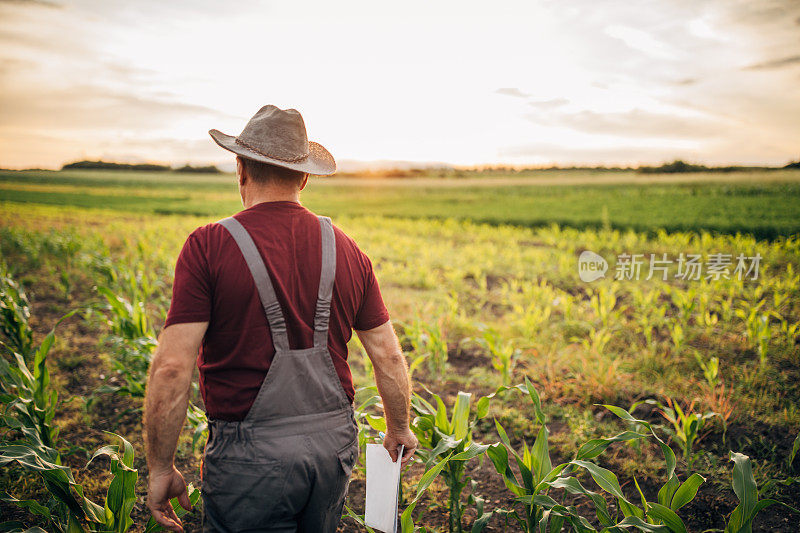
x,y
531,82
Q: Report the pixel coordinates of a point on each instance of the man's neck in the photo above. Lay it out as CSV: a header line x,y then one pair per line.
x,y
271,195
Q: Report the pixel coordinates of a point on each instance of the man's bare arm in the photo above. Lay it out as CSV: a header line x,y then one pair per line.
x,y
166,400
391,377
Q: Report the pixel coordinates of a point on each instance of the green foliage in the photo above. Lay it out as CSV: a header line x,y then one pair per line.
x,y
15,312
446,442
744,486
757,327
685,426
198,422
527,201
428,344
710,368
109,165
504,353
537,476
29,402
29,406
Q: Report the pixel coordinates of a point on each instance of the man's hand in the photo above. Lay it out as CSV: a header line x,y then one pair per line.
x,y
165,410
393,440
162,487
391,376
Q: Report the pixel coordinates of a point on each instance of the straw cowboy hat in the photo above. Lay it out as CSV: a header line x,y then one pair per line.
x,y
278,137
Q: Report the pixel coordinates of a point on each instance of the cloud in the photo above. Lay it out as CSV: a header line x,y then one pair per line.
x,y
548,104
641,41
512,91
774,63
43,3
548,153
86,107
636,123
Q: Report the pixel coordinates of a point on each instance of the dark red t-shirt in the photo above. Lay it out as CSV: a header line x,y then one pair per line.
x,y
213,283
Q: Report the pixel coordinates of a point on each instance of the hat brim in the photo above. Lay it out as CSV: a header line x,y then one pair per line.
x,y
319,162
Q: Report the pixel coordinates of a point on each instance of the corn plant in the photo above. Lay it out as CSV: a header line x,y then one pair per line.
x,y
684,300
29,406
757,327
504,353
68,509
746,490
198,423
15,312
537,476
432,472
685,426
447,441
677,334
710,368
787,329
603,301
29,401
428,344
597,340
652,516
532,305
414,333
650,319
133,341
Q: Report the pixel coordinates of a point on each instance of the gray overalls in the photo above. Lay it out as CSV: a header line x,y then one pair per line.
x,y
286,466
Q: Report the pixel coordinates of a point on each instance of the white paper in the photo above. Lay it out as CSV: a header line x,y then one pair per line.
x,y
383,482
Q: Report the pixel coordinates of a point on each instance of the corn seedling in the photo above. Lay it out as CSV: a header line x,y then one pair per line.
x,y
537,476
757,327
685,426
28,398
671,496
603,301
504,354
133,341
710,368
428,344
677,334
746,490
449,439
69,510
684,301
15,312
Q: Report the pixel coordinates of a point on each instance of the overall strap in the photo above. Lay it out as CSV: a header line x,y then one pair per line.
x,y
326,279
266,292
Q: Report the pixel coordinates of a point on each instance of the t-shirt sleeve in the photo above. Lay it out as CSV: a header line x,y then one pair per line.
x,y
191,290
372,312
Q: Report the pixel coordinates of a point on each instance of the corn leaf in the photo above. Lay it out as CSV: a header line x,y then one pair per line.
x,y
666,515
687,491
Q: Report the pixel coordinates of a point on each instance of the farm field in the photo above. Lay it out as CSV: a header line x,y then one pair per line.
x,y
481,276
723,202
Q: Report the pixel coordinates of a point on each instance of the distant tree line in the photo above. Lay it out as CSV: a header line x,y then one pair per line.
x,y
675,167
143,167
678,167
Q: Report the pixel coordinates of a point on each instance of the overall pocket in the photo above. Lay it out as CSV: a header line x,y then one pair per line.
x,y
348,457
242,495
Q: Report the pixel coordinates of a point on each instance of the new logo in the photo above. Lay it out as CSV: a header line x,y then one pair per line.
x,y
591,266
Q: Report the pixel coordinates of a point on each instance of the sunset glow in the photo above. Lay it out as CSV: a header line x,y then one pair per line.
x,y
525,83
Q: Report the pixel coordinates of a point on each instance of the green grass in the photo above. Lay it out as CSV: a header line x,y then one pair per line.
x,y
763,204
